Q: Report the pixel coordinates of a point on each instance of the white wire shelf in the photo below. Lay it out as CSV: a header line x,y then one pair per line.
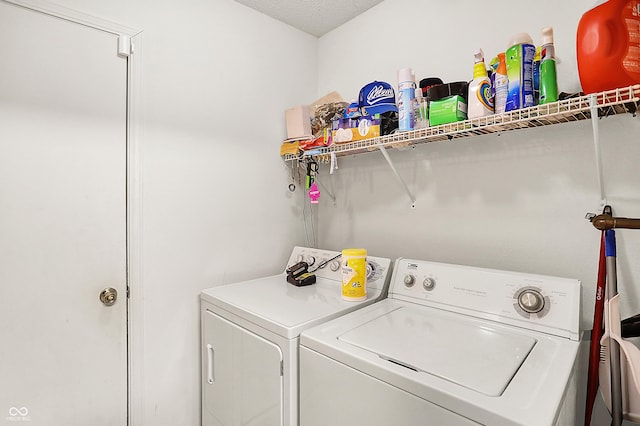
x,y
611,102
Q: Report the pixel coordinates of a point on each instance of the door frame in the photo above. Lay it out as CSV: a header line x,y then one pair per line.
x,y
134,299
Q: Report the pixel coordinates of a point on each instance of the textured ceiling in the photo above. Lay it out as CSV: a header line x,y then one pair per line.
x,y
316,17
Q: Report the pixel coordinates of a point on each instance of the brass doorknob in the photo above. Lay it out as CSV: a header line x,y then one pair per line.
x,y
108,296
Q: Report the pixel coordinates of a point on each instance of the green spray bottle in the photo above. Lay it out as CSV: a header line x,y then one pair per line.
x,y
548,78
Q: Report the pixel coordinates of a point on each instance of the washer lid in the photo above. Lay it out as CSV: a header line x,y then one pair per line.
x,y
458,349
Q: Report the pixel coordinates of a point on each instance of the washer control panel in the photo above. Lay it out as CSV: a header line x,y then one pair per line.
x,y
327,264
545,303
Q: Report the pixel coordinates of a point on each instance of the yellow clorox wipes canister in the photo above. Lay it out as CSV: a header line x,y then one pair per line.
x,y
354,274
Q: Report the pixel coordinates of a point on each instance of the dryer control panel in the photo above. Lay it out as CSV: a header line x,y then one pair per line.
x,y
539,302
327,264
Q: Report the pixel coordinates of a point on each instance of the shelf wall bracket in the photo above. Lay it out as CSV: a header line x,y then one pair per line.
x,y
593,106
324,188
395,172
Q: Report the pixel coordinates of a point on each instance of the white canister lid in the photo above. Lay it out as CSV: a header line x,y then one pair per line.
x,y
406,74
520,38
547,35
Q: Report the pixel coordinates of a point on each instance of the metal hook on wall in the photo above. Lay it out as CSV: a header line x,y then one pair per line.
x,y
604,222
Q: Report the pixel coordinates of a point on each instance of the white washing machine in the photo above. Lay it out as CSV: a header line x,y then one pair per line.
x,y
250,333
451,345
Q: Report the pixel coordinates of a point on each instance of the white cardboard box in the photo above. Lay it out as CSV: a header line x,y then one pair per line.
x,y
298,122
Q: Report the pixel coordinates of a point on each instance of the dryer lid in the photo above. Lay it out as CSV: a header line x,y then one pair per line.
x,y
462,350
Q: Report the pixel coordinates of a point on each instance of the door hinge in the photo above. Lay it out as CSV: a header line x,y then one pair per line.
x,y
125,46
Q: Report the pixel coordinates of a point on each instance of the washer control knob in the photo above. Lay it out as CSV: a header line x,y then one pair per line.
x,y
334,266
409,280
311,260
300,258
429,283
531,301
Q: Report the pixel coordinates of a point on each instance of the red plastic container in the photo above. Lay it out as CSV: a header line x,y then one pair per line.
x,y
608,46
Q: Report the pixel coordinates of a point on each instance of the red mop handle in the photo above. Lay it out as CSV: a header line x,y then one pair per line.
x,y
596,334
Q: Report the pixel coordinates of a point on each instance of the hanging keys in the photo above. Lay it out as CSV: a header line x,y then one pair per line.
x,y
312,171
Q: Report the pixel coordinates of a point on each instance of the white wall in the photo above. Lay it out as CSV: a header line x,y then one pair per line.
x,y
216,83
216,80
513,201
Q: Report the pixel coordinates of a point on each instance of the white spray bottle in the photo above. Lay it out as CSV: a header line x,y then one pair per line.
x,y
548,79
501,85
479,100
406,99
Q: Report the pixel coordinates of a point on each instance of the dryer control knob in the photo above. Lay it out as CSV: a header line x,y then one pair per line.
x,y
300,258
409,280
429,283
311,260
531,301
371,271
334,266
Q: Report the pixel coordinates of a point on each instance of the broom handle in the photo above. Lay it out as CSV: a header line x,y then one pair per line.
x,y
614,347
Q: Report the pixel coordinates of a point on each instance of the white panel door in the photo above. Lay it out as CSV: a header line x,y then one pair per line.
x,y
63,353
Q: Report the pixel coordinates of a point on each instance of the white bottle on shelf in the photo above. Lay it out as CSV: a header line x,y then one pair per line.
x,y
479,100
406,96
421,110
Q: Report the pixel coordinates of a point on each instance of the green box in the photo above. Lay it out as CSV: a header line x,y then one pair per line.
x,y
447,110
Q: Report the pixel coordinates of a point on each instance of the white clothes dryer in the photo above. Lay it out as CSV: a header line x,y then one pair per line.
x,y
451,345
250,332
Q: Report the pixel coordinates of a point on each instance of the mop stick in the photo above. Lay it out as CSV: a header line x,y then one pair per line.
x,y
614,346
596,335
